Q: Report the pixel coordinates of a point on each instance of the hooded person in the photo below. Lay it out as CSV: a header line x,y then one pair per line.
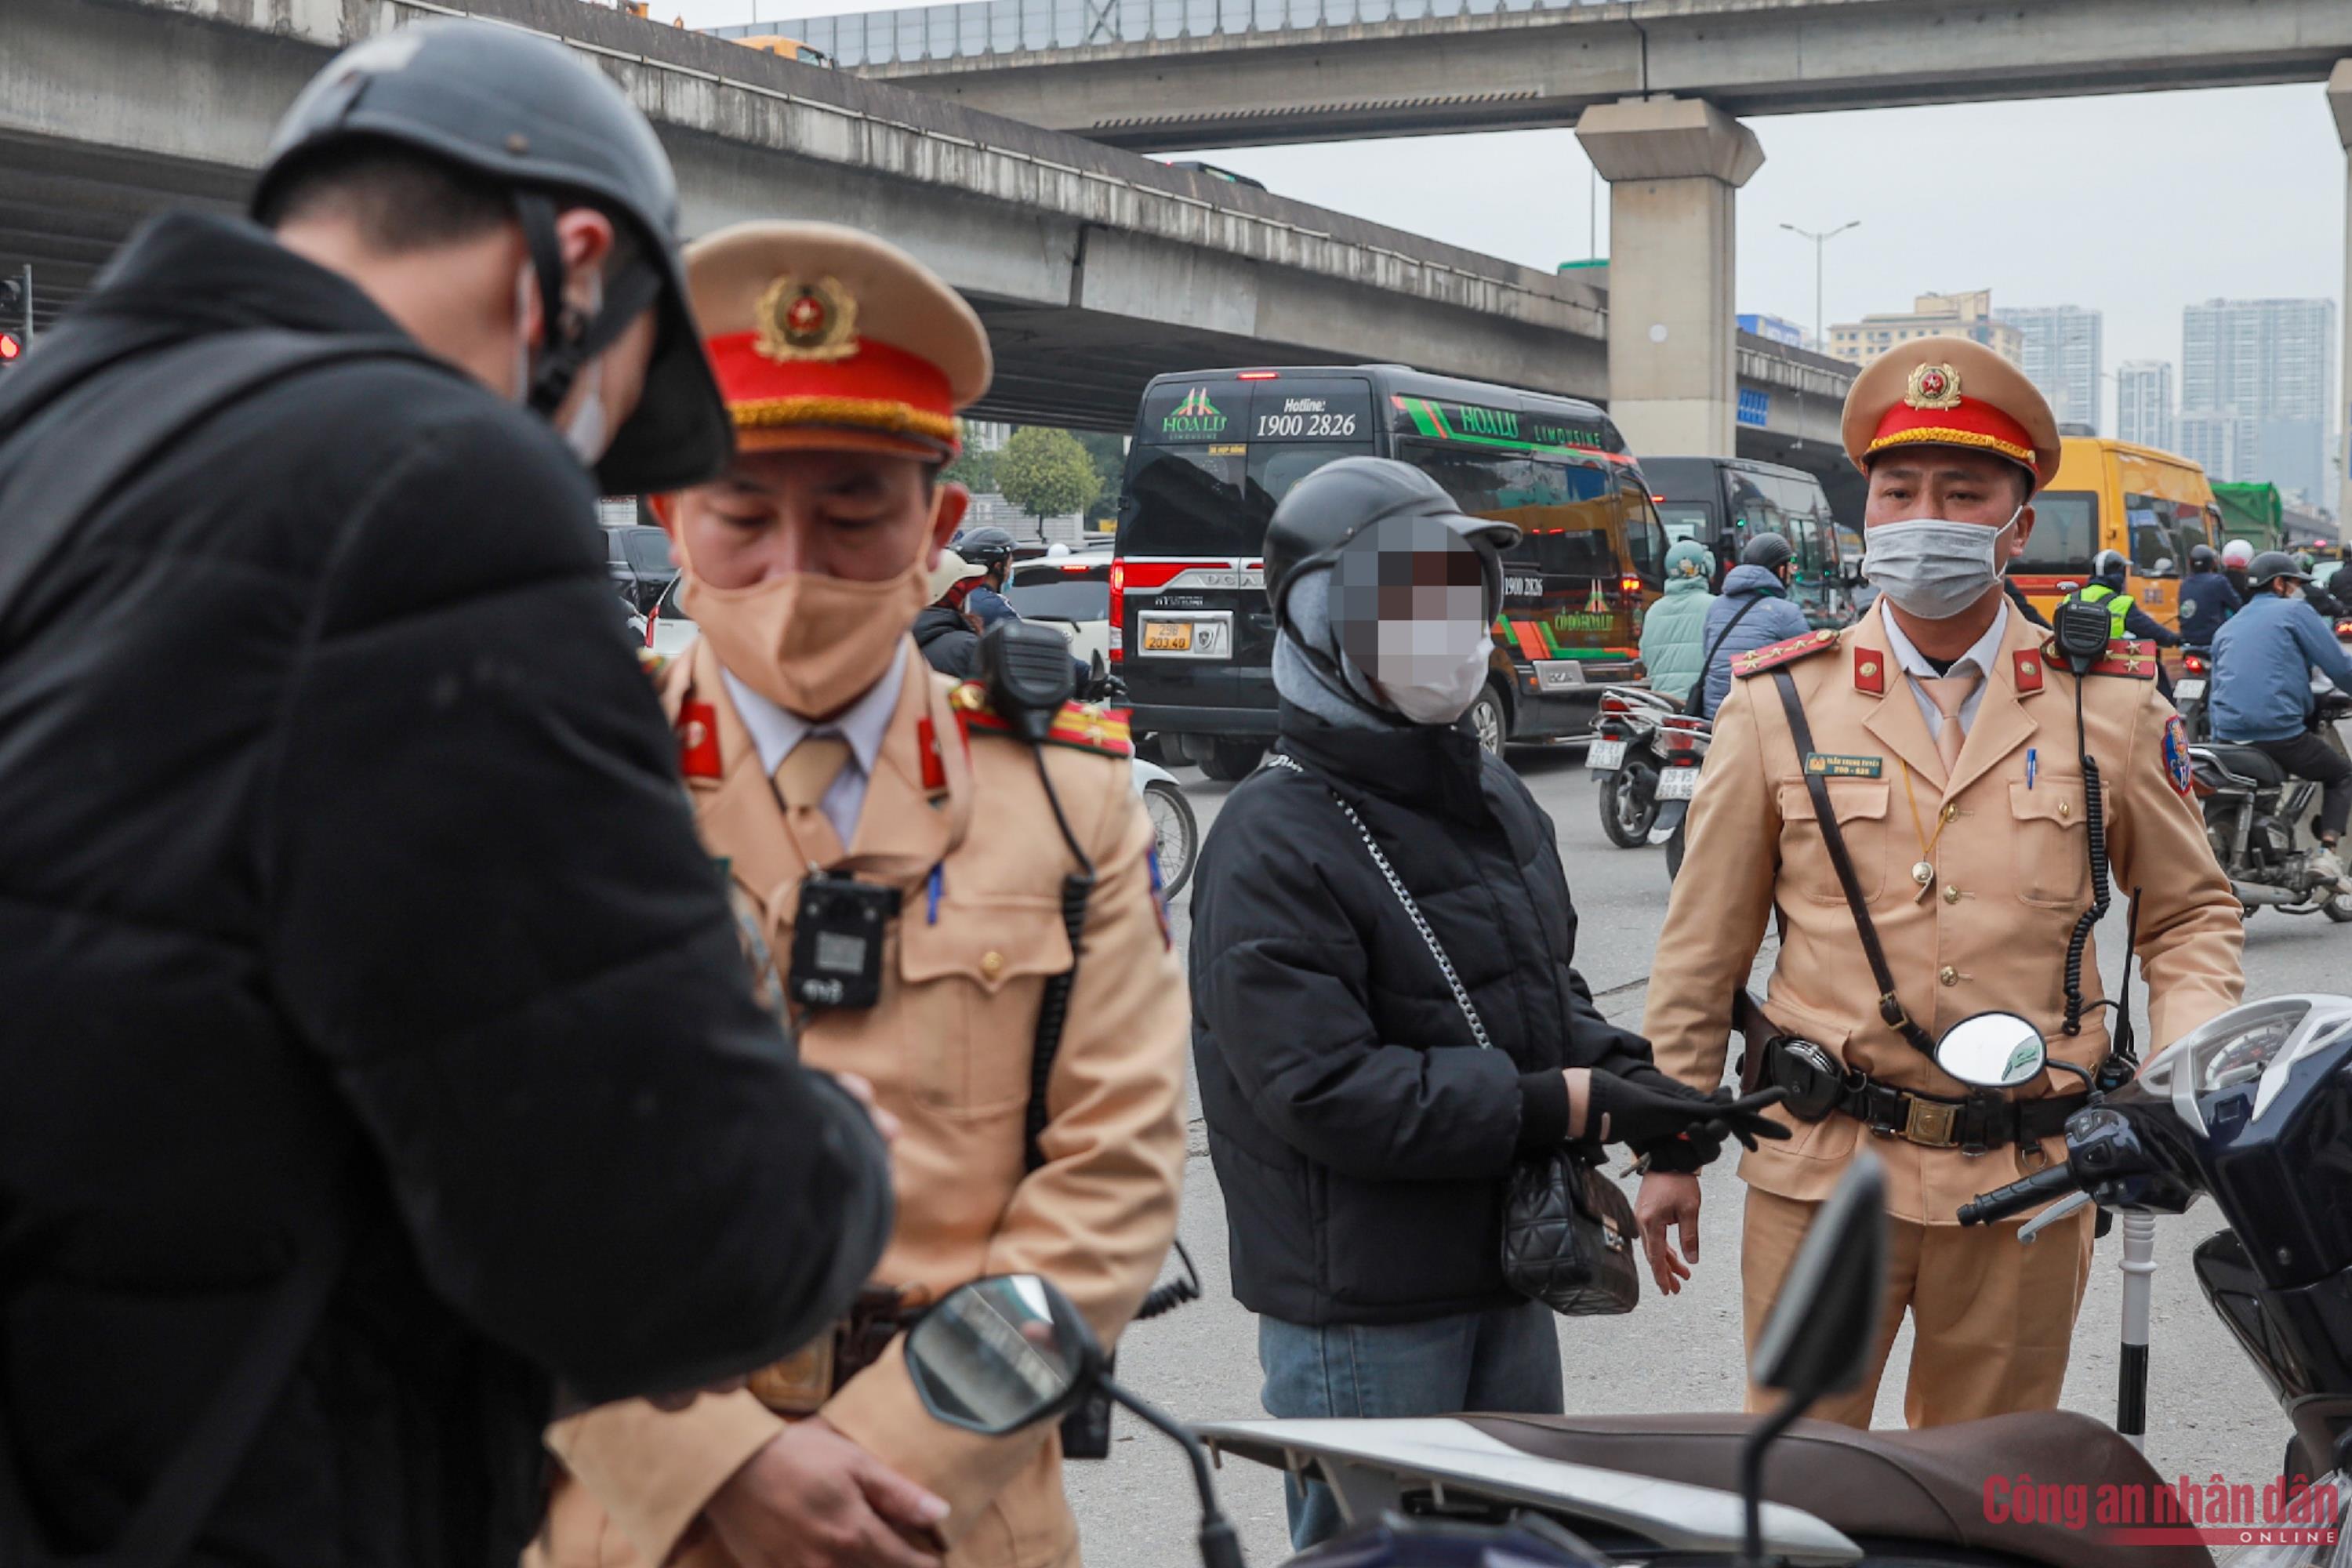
x,y
1360,1129
1673,631
1943,742
901,845
943,629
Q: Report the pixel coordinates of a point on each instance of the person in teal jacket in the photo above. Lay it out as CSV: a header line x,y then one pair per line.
x,y
1672,639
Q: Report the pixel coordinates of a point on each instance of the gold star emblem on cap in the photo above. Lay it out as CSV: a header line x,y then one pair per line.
x,y
806,320
1933,386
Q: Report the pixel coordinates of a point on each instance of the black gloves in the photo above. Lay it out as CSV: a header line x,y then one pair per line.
x,y
1672,1124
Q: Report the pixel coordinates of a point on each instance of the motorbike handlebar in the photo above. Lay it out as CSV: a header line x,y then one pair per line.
x,y
2003,1202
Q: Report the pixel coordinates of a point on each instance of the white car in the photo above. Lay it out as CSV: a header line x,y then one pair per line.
x,y
671,632
1070,592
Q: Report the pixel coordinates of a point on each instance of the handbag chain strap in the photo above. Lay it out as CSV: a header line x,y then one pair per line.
x,y
1411,910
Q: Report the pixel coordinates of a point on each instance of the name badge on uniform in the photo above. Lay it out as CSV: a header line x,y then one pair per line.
x,y
837,943
1829,764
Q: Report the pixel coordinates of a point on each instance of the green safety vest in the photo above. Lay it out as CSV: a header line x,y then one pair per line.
x,y
2119,604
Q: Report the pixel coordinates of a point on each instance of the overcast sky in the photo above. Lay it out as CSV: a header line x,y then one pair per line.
x,y
2135,206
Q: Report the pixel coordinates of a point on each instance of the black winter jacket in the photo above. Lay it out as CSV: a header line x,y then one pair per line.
x,y
948,641
1360,1135
344,870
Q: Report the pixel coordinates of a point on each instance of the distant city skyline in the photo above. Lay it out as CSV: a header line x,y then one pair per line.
x,y
2145,410
2063,356
2267,368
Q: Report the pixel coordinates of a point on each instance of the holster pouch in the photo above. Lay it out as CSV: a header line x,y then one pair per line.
x,y
800,1384
1756,1034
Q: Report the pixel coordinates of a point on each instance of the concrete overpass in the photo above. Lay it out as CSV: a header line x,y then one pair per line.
x,y
1234,73
1094,268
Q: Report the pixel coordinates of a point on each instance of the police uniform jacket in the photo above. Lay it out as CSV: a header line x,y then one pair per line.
x,y
948,1050
1991,932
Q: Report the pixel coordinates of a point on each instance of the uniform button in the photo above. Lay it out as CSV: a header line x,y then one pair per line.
x,y
1951,894
991,964
1948,976
2065,808
1951,811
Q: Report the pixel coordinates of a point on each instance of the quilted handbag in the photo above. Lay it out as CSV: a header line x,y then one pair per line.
x,y
1568,1229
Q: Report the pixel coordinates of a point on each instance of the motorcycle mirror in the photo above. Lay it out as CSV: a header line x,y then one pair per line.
x,y
1992,1051
1000,1353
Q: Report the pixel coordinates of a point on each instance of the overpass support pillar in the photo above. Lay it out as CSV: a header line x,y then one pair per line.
x,y
1673,165
2339,100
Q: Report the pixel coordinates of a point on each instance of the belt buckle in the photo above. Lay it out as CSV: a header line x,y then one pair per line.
x,y
1931,1123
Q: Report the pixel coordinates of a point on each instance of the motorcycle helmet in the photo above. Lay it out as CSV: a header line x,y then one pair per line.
x,y
526,113
1769,551
2270,565
985,547
1341,499
2303,561
2201,558
2237,553
1689,558
2109,567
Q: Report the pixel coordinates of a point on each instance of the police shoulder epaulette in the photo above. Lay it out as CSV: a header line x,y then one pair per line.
x,y
1081,725
2130,657
1756,661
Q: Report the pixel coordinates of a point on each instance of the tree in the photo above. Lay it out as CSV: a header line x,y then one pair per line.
x,y
975,472
1046,473
1110,455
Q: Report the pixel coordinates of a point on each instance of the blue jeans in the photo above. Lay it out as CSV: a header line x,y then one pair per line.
x,y
1506,1360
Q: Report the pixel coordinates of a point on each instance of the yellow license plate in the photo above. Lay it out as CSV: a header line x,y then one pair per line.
x,y
1168,636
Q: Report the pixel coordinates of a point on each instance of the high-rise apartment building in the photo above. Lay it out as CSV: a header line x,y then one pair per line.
x,y
2221,441
1932,315
2060,353
2144,404
2273,364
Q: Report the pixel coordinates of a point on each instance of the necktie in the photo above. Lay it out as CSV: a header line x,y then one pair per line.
x,y
808,771
1947,692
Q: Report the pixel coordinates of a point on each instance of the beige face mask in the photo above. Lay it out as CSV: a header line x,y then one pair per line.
x,y
810,644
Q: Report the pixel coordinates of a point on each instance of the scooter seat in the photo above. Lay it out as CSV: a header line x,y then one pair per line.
x,y
1878,1486
2248,762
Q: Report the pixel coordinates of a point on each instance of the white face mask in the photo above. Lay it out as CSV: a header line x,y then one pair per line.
x,y
1933,569
1433,670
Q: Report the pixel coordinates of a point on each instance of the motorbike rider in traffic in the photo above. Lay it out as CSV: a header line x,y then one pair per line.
x,y
2260,691
2207,599
1753,611
2108,588
990,549
1674,629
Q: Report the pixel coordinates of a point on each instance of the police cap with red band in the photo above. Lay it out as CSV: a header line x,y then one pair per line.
x,y
1950,391
827,339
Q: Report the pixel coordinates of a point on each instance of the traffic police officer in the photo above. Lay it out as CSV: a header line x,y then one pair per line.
x,y
1945,733
843,782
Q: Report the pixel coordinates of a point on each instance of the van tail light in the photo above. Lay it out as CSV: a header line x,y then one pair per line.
x,y
1259,375
1630,585
2344,628
1118,651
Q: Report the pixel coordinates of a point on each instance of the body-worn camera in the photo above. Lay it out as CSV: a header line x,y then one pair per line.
x,y
837,941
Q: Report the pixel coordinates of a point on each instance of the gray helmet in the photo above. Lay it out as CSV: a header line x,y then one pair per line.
x,y
2109,567
2272,564
1767,550
2201,558
1341,500
524,112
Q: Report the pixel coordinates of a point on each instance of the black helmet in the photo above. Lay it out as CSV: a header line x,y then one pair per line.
x,y
524,111
2109,567
2272,565
1341,500
985,546
2201,558
1767,550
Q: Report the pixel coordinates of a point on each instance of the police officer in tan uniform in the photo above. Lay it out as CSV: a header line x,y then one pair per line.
x,y
1943,729
851,791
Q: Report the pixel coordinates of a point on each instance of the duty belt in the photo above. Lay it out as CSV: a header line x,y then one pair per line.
x,y
1983,1120
800,1384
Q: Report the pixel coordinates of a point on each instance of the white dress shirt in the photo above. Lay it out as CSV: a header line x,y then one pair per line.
x,y
774,733
1981,657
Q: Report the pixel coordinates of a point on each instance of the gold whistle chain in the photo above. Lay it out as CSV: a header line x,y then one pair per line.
x,y
1919,831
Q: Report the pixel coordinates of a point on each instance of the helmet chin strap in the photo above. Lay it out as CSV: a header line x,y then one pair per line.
x,y
570,339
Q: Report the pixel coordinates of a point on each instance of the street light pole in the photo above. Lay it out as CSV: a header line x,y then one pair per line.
x,y
1821,332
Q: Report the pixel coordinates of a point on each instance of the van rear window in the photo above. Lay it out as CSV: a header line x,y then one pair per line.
x,y
2065,533
1214,500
